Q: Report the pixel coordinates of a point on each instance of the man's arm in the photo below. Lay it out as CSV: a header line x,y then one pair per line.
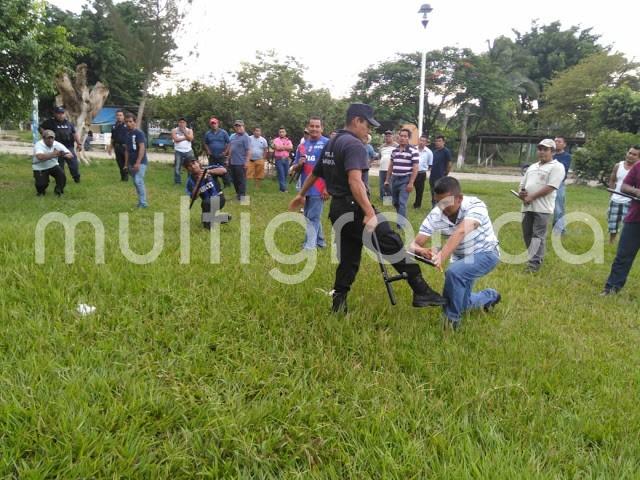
x,y
359,193
175,137
76,137
389,171
546,190
614,175
414,174
418,245
298,200
247,157
204,144
188,134
461,231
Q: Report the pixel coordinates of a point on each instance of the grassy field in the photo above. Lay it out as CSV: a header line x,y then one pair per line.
x,y
205,370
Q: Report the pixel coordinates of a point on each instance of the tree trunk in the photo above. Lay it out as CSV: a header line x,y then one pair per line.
x,y
143,101
462,150
81,103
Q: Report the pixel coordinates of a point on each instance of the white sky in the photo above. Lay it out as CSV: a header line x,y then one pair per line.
x,y
337,39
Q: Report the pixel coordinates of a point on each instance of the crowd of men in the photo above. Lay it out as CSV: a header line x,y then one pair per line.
x,y
335,169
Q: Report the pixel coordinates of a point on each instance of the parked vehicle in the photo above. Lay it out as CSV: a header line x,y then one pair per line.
x,y
162,141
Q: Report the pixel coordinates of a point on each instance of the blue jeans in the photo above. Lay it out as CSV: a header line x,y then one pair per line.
x,y
558,211
400,196
382,178
73,163
458,283
179,158
282,167
138,182
314,236
627,250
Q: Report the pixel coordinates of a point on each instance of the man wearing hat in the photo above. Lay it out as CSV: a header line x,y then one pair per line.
x,y
46,155
239,157
66,134
538,193
216,144
341,165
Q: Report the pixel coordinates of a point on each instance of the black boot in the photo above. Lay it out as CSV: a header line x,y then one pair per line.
x,y
424,295
339,304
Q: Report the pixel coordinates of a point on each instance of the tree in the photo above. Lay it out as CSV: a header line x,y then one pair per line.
x,y
595,160
31,53
554,50
81,102
147,28
617,109
393,87
101,49
568,97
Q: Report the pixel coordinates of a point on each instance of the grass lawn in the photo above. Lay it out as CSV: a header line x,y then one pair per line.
x,y
219,371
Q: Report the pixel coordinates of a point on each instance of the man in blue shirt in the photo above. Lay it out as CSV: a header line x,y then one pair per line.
x,y
565,159
239,157
441,165
317,194
136,157
216,144
210,194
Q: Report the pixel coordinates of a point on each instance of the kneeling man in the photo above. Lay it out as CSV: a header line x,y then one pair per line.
x,y
470,242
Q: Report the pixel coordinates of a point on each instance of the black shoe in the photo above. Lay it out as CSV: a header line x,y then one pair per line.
x,y
76,179
40,194
226,220
58,193
339,304
428,298
489,305
206,225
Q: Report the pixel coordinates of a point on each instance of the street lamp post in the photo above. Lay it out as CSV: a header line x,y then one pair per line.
x,y
425,9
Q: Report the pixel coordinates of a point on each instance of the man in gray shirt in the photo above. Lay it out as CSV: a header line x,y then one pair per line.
x,y
239,157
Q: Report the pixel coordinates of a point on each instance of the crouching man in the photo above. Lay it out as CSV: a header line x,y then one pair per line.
x,y
470,242
209,191
46,155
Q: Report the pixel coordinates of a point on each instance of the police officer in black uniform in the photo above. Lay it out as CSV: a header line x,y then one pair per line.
x,y
67,135
342,164
119,143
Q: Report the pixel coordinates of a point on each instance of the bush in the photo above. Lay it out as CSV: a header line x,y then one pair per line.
x,y
595,160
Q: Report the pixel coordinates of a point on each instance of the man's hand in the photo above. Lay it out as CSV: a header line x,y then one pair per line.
x,y
370,221
437,260
68,156
409,187
135,168
423,252
325,195
109,149
79,147
297,203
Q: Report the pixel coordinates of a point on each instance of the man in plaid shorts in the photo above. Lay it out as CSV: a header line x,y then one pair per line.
x,y
619,205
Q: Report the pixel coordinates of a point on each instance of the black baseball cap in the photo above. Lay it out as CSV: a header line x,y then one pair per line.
x,y
58,110
364,111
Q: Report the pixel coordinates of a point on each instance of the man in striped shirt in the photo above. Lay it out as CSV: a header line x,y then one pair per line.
x,y
403,167
470,242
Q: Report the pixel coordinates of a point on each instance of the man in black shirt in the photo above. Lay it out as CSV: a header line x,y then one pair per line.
x,y
342,164
66,134
441,165
119,144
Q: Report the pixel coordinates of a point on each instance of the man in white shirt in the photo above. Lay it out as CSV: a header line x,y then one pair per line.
x,y
538,193
424,165
182,138
259,153
46,153
384,154
470,242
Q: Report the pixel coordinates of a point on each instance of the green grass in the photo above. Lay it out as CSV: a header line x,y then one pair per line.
x,y
218,371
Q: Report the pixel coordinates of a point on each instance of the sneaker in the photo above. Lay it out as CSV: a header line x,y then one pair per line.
x,y
76,179
532,269
609,291
428,298
487,307
339,304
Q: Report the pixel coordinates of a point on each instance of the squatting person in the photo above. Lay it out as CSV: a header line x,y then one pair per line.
x,y
45,164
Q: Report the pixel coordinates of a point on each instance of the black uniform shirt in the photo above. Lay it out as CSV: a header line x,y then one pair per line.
x,y
64,131
119,133
343,153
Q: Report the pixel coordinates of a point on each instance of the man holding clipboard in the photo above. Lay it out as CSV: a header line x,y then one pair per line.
x,y
630,237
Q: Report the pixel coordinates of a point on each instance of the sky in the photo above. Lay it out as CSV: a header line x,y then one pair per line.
x,y
336,39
